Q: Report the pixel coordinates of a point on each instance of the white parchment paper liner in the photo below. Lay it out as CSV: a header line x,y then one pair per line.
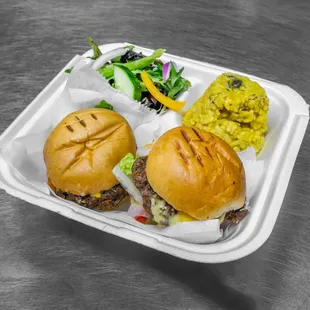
x,y
84,88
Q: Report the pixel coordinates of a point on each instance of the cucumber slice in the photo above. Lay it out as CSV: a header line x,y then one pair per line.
x,y
126,82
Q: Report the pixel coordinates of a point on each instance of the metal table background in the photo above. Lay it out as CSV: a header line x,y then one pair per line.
x,y
50,262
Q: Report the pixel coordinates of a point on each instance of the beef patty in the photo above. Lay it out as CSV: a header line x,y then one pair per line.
x,y
234,217
108,200
147,192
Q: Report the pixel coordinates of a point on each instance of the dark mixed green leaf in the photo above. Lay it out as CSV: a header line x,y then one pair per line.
x,y
107,71
175,84
131,56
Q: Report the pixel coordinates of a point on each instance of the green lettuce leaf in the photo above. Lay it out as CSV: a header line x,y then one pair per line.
x,y
126,164
104,105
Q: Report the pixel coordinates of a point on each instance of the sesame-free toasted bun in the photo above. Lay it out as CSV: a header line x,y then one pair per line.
x,y
196,172
84,147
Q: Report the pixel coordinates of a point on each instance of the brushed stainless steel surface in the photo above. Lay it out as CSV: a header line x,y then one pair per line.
x,y
50,262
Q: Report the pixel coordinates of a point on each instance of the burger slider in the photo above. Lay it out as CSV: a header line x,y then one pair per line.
x,y
191,175
80,154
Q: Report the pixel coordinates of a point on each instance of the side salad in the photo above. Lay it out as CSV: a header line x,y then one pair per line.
x,y
143,78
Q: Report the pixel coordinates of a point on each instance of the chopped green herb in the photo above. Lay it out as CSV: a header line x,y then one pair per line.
x,y
69,70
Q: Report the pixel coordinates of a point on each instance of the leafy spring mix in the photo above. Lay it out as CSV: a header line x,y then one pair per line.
x,y
124,73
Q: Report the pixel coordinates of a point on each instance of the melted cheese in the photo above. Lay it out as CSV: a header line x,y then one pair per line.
x,y
180,217
156,205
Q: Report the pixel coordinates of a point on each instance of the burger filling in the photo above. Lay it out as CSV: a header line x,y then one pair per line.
x,y
163,213
103,201
152,202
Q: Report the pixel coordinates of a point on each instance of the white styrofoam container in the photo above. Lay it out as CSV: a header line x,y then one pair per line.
x,y
288,119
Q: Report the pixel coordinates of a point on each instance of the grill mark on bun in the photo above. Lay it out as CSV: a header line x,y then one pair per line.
x,y
177,144
186,137
193,149
82,123
207,150
200,160
93,116
190,143
70,128
184,158
197,134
